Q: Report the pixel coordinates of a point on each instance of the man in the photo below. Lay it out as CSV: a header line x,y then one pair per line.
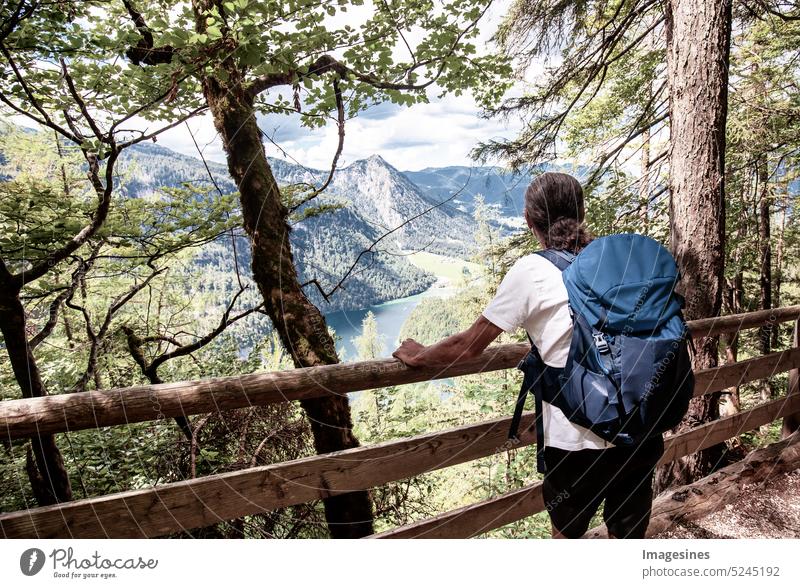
x,y
581,469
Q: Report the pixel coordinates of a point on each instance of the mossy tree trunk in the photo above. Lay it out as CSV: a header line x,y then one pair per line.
x,y
300,324
48,476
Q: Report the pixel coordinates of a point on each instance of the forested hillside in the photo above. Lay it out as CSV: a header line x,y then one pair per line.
x,y
367,200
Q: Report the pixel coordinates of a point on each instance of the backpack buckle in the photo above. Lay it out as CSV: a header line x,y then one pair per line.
x,y
601,343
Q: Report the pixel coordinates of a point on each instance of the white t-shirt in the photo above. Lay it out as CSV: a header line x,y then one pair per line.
x,y
532,295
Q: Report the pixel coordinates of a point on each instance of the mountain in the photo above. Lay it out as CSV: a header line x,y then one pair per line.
x,y
148,166
402,212
373,190
375,199
382,210
503,189
386,199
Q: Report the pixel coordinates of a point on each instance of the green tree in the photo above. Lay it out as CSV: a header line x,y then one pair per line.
x,y
45,78
369,344
238,59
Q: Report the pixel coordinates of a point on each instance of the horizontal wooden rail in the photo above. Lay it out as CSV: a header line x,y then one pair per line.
x,y
715,432
203,501
735,374
101,408
493,513
732,323
474,519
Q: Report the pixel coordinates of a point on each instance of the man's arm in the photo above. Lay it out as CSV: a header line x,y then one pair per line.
x,y
464,345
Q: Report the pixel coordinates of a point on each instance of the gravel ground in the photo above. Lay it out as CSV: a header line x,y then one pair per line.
x,y
761,511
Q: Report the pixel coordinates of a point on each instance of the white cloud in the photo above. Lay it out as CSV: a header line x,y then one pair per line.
x,y
425,135
437,134
202,127
410,138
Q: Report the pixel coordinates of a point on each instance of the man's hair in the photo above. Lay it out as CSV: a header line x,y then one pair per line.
x,y
554,207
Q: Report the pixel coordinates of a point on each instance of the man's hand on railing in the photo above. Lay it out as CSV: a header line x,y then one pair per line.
x,y
408,352
465,345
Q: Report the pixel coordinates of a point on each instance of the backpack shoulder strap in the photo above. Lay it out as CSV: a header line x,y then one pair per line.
x,y
558,257
532,370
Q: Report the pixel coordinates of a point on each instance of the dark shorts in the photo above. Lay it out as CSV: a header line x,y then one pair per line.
x,y
576,482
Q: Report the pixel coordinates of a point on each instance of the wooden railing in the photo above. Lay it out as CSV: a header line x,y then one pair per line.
x,y
199,502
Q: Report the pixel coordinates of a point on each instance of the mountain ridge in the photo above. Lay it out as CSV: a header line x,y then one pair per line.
x,y
376,199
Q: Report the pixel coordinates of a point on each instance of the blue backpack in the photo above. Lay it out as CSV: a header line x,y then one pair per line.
x,y
628,374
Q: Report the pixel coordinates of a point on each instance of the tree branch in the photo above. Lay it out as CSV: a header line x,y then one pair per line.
x,y
224,323
82,104
150,370
340,117
96,338
45,119
144,51
77,277
20,13
326,63
98,218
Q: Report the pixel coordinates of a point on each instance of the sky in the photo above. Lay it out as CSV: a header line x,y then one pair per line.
x,y
437,134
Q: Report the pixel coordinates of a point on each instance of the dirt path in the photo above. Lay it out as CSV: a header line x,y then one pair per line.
x,y
761,511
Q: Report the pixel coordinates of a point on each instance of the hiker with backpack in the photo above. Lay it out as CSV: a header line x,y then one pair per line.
x,y
609,366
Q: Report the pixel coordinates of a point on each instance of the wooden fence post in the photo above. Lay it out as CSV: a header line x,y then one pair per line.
x,y
791,423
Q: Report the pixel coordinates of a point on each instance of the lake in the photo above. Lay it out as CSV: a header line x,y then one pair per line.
x,y
389,316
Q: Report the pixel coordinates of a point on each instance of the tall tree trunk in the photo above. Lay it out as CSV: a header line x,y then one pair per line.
x,y
644,182
300,325
765,265
48,476
698,47
778,273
